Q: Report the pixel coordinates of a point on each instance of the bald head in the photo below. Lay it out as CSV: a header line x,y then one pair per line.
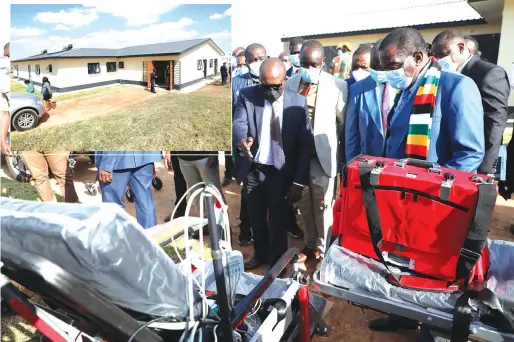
x,y
255,52
312,54
374,60
272,72
237,51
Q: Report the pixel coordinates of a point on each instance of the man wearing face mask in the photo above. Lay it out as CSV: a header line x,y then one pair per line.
x,y
342,64
492,81
254,55
236,53
271,128
360,64
284,57
326,98
369,103
241,67
294,56
445,122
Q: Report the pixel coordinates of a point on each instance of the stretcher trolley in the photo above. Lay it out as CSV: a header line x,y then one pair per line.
x,y
102,278
411,240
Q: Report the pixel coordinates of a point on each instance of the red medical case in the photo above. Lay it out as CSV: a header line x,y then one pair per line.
x,y
427,224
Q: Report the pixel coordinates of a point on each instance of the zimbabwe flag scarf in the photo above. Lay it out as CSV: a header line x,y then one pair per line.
x,y
420,122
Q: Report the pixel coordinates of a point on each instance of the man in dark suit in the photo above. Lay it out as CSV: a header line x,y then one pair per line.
x,y
152,81
271,129
295,45
492,82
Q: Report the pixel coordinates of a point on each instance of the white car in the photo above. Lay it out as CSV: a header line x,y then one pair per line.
x,y
26,111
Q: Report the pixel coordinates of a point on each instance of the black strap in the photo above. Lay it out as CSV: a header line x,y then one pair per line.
x,y
371,208
463,315
478,231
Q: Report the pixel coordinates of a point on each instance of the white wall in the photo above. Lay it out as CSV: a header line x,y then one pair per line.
x,y
133,70
74,72
24,73
188,62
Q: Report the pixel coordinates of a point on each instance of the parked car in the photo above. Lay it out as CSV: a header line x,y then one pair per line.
x,y
26,111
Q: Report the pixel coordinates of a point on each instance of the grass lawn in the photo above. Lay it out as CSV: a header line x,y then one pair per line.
x,y
20,88
21,190
195,121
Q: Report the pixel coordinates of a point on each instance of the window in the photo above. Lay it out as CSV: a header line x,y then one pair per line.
x,y
38,69
199,64
121,65
211,61
111,66
93,68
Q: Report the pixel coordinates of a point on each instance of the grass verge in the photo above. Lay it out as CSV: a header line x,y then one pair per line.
x,y
20,88
21,190
189,122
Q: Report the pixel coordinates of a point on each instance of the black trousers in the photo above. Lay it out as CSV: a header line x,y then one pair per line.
x,y
229,165
264,190
180,187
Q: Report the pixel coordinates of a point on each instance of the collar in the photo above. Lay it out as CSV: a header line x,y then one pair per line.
x,y
419,79
466,62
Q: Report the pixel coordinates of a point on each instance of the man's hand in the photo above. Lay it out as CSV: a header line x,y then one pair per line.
x,y
6,149
245,147
294,194
167,161
212,162
104,176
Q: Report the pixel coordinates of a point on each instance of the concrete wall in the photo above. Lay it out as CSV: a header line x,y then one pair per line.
x,y
188,62
506,53
428,34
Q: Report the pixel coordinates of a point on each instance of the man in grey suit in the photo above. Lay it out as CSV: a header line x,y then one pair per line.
x,y
271,129
326,97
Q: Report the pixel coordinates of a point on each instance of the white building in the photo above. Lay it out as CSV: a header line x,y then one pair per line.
x,y
71,69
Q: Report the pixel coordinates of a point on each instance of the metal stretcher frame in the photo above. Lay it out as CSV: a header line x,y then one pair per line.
x,y
435,319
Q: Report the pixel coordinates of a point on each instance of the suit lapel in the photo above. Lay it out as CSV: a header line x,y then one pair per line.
x,y
259,112
374,106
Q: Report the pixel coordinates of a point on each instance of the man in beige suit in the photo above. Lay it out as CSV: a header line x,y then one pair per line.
x,y
326,99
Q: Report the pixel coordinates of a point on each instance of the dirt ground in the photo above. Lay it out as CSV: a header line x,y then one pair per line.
x,y
347,322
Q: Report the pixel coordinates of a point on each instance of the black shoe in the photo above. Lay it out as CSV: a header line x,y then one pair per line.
x,y
245,239
226,181
253,263
196,234
392,323
295,232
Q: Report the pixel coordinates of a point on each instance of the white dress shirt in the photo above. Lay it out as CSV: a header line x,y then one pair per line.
x,y
390,91
264,155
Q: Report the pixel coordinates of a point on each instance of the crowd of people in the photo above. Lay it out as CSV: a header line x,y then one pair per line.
x,y
298,118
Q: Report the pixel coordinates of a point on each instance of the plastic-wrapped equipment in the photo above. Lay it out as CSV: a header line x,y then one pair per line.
x,y
102,245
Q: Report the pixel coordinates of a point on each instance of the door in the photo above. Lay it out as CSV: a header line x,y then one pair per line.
x,y
489,46
147,72
204,68
30,74
215,66
172,64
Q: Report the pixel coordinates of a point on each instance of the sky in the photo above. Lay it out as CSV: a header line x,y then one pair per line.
x,y
248,26
110,24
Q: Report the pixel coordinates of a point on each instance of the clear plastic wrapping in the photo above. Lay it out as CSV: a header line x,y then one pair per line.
x,y
102,245
347,269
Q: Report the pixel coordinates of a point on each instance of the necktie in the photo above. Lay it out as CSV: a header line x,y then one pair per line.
x,y
306,90
277,150
386,108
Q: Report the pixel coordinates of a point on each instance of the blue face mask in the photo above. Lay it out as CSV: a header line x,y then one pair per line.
x,y
397,79
295,60
378,75
310,75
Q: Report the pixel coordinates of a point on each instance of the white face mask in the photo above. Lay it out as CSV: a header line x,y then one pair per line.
x,y
339,52
360,74
254,68
447,64
310,75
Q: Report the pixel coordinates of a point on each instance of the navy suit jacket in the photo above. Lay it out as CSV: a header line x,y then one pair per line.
x,y
350,80
297,138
